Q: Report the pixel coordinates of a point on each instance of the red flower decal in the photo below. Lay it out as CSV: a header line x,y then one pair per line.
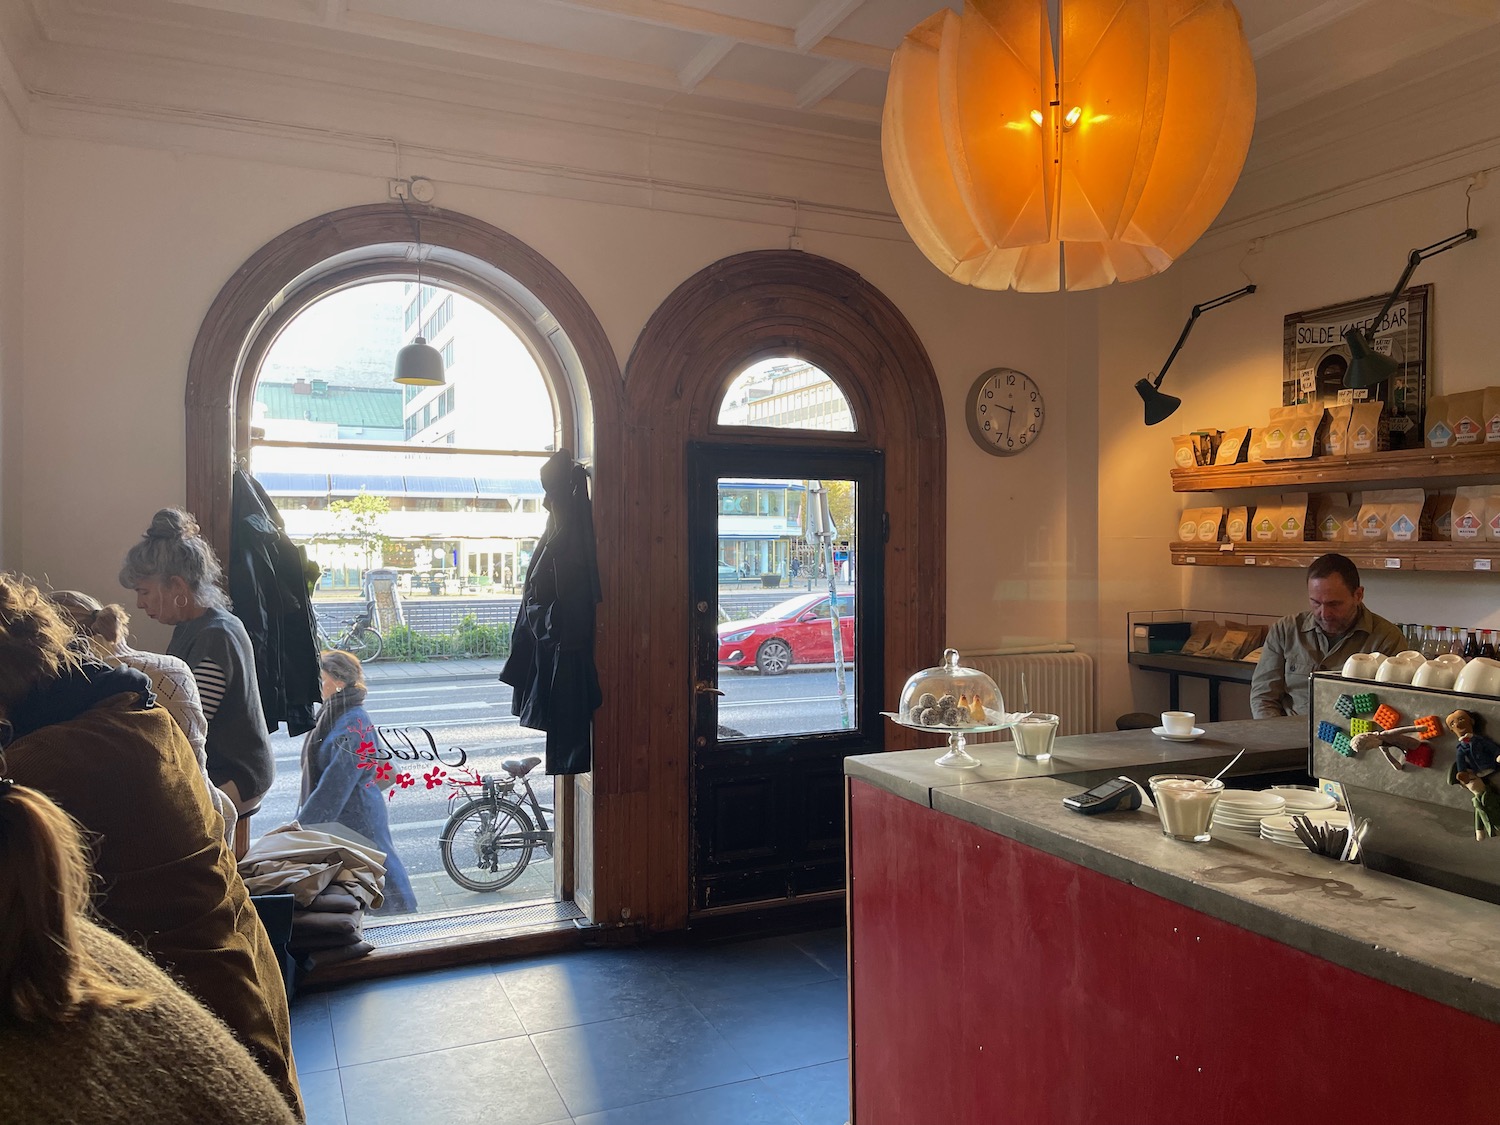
x,y
405,780
365,755
434,778
383,771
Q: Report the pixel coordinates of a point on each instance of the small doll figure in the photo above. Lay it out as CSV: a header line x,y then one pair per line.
x,y
1486,805
1477,754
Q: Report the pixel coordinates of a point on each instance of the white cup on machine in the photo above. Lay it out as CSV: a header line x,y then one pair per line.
x,y
1178,723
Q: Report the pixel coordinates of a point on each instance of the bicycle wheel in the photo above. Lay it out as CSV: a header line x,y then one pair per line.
x,y
365,644
486,844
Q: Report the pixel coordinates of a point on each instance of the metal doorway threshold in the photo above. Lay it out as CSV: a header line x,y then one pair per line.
x,y
487,922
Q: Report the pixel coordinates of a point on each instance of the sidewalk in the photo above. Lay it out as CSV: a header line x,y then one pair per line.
x,y
389,672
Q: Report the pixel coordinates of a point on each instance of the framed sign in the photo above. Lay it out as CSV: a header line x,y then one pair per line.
x,y
1316,358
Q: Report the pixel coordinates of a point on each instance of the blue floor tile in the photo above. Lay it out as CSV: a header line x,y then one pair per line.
x,y
818,1095
427,1012
827,948
502,1083
721,971
741,1103
312,1035
578,988
323,1097
619,1062
787,1029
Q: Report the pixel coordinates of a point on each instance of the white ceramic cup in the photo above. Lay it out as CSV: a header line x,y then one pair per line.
x,y
1178,722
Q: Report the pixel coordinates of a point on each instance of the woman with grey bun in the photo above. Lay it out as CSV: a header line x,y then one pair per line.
x,y
177,581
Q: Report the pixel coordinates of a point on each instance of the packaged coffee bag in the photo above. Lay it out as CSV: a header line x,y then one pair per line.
x,y
1336,437
1237,523
1255,445
1185,451
1277,436
1437,515
1492,414
1403,520
1233,447
1293,517
1210,524
1199,638
1466,417
1232,645
1305,431
1492,507
1327,514
1469,514
1439,434
1369,431
1266,526
1372,520
1187,525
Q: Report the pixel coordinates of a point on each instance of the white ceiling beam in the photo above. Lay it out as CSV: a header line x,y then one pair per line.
x,y
830,77
680,17
824,17
1308,23
710,55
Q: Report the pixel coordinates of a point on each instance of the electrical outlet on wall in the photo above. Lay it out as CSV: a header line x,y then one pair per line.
x,y
400,189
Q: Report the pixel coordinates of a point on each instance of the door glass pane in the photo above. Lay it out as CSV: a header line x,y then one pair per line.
x,y
787,595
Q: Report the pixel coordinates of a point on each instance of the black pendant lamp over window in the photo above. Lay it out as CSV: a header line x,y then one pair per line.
x,y
419,364
1366,365
1159,405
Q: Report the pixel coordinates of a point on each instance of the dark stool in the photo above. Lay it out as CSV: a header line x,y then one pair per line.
x,y
1137,720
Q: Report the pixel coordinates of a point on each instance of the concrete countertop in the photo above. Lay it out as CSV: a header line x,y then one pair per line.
x,y
1431,942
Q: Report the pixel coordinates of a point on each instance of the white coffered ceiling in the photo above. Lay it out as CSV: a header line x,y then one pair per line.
x,y
817,64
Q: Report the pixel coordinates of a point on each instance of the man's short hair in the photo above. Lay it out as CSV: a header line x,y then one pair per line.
x,y
1326,566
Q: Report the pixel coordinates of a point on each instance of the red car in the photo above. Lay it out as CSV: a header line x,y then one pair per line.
x,y
795,632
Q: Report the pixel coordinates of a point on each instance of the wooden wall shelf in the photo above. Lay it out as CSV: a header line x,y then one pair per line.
x,y
1478,558
1406,467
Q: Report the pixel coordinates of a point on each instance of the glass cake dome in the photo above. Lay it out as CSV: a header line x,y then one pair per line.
x,y
953,700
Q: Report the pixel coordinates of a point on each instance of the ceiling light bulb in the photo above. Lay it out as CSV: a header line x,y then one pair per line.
x,y
1072,119
1036,116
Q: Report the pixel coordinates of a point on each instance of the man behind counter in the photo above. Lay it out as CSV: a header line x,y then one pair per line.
x,y
1318,639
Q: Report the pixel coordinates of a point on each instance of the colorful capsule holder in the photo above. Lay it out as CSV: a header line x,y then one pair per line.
x,y
1429,726
1361,726
1327,732
1342,745
1345,706
1364,704
1387,717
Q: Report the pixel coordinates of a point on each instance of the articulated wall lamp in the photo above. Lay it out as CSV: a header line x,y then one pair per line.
x,y
419,364
1160,406
1367,366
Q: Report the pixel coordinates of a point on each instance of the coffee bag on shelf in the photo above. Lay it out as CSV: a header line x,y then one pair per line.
x,y
1199,638
1437,515
1255,445
1185,451
1403,520
1210,524
1233,447
1305,427
1331,518
1492,414
1369,430
1372,521
1237,523
1336,436
1469,514
1293,517
1438,433
1277,437
1266,526
1466,417
1492,513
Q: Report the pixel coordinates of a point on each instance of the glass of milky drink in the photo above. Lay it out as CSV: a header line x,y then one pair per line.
x,y
1185,803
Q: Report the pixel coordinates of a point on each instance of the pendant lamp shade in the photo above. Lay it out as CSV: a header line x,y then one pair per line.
x,y
1159,405
419,364
1014,166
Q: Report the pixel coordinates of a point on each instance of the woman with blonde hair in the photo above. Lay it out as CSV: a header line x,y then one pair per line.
x,y
90,738
89,1029
334,787
176,578
104,628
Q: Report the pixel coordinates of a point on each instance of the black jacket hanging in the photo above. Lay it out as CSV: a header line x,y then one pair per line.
x,y
268,586
551,664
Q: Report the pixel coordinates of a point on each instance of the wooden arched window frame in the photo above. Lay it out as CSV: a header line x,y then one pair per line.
x,y
341,248
752,306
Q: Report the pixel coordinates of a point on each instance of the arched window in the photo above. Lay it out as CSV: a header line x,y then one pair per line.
x,y
785,393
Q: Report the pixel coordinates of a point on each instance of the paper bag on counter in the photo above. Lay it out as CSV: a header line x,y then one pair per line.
x,y
1336,436
1369,431
1466,417
1233,446
1438,434
1199,638
1403,520
1469,514
1293,517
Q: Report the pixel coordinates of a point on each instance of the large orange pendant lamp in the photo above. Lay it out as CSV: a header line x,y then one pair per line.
x,y
1094,146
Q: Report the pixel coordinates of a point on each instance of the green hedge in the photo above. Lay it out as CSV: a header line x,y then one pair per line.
x,y
469,639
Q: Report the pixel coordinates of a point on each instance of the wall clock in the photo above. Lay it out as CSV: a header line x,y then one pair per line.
x,y
1005,411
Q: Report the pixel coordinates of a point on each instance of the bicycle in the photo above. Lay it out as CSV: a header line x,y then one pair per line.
x,y
489,841
359,637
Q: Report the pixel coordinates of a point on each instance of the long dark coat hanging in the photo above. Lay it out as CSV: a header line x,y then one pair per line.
x,y
551,664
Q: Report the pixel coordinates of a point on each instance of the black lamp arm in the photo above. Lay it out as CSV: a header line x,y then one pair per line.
x,y
1198,310
1415,258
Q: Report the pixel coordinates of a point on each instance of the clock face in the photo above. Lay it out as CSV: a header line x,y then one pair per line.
x,y
1005,411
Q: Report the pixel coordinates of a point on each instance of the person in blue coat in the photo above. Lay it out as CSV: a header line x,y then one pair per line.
x,y
334,788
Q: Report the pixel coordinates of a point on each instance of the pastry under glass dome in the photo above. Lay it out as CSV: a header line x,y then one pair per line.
x,y
953,700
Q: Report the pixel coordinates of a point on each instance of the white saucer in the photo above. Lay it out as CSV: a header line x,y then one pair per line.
x,y
1161,732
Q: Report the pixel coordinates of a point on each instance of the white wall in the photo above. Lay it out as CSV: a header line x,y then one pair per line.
x,y
1229,373
127,246
12,223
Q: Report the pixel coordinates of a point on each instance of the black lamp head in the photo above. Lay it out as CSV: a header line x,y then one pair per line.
x,y
1367,367
1159,405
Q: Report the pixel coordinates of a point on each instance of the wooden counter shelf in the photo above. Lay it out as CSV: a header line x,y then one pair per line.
x,y
1402,468
1481,558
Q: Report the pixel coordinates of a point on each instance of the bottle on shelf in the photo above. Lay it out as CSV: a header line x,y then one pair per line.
x,y
1429,641
1487,644
1413,635
1471,644
1442,640
1455,641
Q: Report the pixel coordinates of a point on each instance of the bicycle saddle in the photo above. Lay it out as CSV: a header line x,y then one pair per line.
x,y
520,767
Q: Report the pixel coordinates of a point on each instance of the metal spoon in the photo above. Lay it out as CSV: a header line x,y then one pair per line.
x,y
1227,768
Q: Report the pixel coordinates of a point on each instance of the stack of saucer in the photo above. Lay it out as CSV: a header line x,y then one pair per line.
x,y
1241,811
1304,800
1279,830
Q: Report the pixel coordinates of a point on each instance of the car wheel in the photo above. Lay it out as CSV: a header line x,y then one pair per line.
x,y
774,657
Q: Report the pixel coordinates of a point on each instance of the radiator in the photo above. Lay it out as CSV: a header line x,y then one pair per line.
x,y
1060,683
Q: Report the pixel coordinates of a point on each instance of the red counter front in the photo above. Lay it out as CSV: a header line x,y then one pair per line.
x,y
993,983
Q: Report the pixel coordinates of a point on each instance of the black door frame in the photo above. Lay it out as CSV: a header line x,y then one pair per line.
x,y
815,867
